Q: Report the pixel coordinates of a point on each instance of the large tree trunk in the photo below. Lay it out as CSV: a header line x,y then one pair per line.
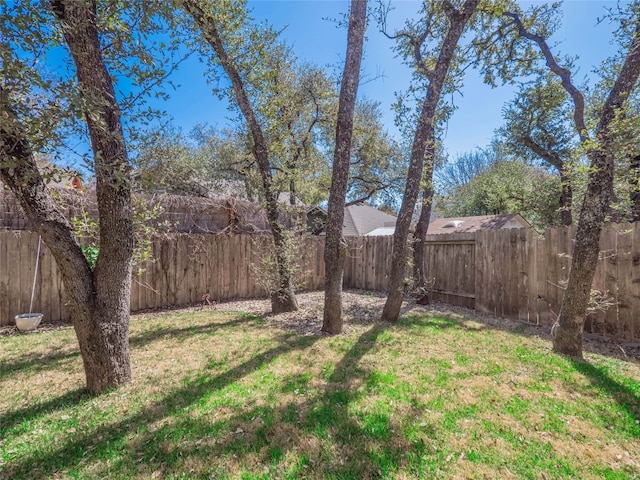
x,y
283,299
102,333
335,244
422,142
99,299
105,337
420,280
568,334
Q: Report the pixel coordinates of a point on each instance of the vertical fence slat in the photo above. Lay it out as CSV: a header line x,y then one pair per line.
x,y
530,249
624,276
48,287
635,282
609,247
480,272
14,245
551,235
211,265
4,280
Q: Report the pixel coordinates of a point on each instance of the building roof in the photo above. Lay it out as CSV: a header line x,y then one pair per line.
x,y
474,224
360,219
381,232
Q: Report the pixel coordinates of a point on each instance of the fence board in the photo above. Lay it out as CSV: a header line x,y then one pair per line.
x,y
511,275
214,264
13,245
521,306
553,249
50,294
609,247
499,262
480,272
635,282
5,291
624,275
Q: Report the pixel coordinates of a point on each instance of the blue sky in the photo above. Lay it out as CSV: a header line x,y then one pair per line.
x,y
316,39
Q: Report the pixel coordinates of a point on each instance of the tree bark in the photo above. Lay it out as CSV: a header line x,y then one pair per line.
x,y
422,142
283,299
634,178
109,329
420,279
98,299
335,244
569,332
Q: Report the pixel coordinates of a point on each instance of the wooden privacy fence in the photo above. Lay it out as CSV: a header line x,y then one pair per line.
x,y
521,275
185,267
516,273
510,273
450,266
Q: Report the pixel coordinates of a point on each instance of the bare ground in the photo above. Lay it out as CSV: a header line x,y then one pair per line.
x,y
362,309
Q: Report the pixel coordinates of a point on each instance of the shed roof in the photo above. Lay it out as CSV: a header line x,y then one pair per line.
x,y
381,232
474,224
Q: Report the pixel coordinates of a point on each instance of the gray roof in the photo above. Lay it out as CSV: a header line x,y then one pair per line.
x,y
360,219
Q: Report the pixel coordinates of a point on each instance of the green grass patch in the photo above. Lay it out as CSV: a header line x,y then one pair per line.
x,y
225,395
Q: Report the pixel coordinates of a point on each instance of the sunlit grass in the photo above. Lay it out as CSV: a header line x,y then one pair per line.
x,y
225,395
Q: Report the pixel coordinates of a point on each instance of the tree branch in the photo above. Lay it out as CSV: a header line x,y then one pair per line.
x,y
563,73
548,156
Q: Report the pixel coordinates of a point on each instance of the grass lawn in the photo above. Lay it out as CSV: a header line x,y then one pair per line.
x,y
227,395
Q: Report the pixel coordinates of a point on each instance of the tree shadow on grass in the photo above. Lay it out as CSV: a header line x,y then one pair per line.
x,y
625,396
463,317
328,439
35,362
147,337
101,440
71,399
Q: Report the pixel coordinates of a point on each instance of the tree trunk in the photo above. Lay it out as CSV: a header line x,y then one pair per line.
x,y
102,333
422,141
98,300
634,179
283,299
103,328
420,280
335,244
568,334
